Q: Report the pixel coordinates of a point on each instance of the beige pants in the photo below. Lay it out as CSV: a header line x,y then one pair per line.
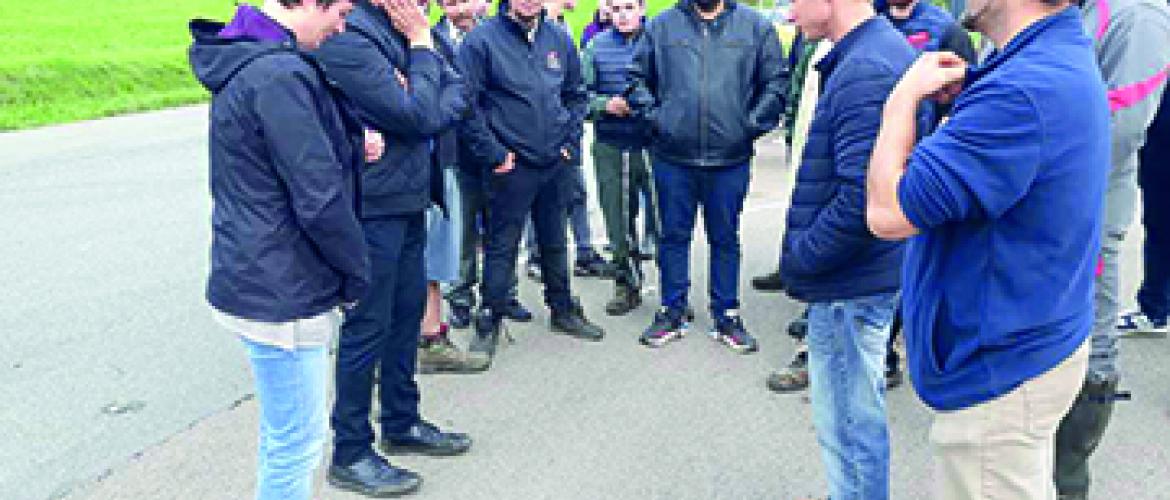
x,y
1003,449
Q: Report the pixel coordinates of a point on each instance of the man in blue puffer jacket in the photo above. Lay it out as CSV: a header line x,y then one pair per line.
x,y
830,260
385,63
710,79
524,82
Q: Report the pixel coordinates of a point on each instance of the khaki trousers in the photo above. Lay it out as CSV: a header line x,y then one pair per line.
x,y
1003,449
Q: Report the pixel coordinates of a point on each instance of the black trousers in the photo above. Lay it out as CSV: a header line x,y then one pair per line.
x,y
543,192
382,332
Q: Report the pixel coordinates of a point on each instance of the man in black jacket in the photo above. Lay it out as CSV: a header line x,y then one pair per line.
x,y
711,78
385,63
524,81
459,19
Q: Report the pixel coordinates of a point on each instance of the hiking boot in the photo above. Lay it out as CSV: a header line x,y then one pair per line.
x,y
1135,324
770,282
625,299
794,378
593,266
440,355
516,311
668,325
574,324
460,317
729,331
487,334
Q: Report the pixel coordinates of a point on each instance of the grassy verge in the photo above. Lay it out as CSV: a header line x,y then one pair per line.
x,y
62,61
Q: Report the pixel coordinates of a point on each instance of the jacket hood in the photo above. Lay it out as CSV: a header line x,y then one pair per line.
x,y
215,60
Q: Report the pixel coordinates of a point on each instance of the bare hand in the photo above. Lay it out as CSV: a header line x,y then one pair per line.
x,y
508,165
617,106
409,20
566,154
935,75
375,146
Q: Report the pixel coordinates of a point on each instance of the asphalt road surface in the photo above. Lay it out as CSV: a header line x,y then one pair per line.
x,y
116,384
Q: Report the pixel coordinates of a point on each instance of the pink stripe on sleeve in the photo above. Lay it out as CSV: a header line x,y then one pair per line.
x,y
1129,95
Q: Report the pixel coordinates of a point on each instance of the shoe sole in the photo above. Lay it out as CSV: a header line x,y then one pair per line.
x,y
358,488
525,319
567,333
1141,334
402,451
452,370
739,349
665,338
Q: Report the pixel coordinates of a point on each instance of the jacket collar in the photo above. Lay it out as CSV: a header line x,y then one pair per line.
x,y
1067,21
846,44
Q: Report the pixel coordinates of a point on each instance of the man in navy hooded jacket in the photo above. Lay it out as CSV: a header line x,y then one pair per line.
x,y
286,247
524,81
386,65
710,79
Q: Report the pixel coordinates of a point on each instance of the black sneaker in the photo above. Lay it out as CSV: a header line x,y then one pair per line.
x,y
373,476
574,324
533,271
487,333
516,311
592,266
668,325
460,317
729,330
770,282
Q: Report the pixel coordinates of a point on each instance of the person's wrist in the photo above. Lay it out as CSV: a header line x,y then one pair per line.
x,y
422,39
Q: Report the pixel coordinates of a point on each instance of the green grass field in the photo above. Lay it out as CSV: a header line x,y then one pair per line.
x,y
65,60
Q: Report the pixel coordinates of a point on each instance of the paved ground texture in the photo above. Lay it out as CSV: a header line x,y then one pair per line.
x,y
115,383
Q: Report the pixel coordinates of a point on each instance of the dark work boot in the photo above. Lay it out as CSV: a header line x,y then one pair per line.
x,y
373,476
1078,436
487,333
574,324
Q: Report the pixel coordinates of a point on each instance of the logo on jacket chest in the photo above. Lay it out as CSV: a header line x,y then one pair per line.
x,y
553,60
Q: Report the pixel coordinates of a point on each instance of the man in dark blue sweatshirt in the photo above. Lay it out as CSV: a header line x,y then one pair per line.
x,y
830,260
386,65
710,79
1003,206
286,248
524,81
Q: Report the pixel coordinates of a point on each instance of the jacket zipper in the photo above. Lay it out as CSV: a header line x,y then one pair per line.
x,y
703,91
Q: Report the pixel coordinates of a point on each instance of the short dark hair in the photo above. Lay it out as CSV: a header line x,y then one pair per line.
x,y
288,4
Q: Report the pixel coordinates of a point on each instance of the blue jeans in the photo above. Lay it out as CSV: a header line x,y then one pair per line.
x,y
721,192
847,352
291,388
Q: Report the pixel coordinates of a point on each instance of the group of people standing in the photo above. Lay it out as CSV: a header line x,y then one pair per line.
x,y
361,157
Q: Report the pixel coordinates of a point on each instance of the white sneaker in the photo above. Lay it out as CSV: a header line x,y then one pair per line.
x,y
1135,324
